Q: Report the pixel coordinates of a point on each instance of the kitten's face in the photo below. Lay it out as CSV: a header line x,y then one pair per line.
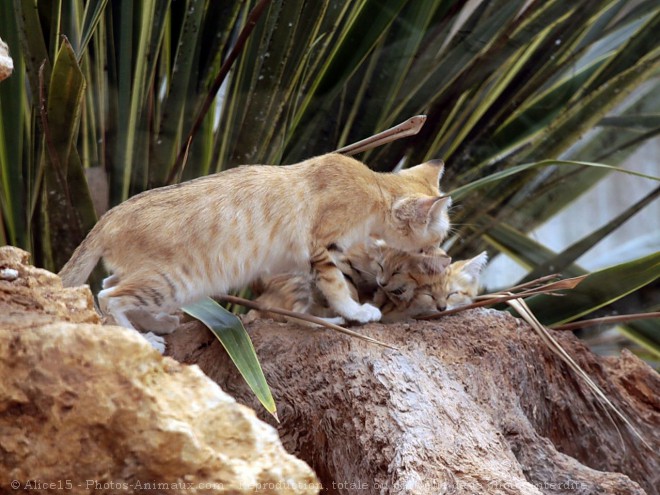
x,y
412,283
461,284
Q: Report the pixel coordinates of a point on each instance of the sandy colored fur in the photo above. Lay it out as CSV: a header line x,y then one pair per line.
x,y
401,284
461,283
217,233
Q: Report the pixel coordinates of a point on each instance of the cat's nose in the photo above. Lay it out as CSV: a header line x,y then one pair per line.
x,y
441,307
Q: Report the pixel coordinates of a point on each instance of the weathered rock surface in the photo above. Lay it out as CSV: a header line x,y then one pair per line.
x,y
30,297
95,409
474,403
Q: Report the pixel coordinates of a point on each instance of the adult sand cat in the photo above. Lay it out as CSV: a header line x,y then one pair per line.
x,y
171,246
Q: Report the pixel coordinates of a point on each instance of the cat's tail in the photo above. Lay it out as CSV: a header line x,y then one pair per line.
x,y
82,261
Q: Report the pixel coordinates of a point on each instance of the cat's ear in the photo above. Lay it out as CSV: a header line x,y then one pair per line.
x,y
430,171
434,264
475,265
420,210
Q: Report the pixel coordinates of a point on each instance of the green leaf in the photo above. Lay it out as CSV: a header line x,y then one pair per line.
x,y
645,333
583,114
524,250
599,289
32,42
69,207
229,330
93,11
462,191
13,180
135,70
643,41
368,23
641,122
166,144
606,145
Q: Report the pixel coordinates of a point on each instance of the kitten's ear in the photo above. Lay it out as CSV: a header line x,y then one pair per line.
x,y
434,264
475,265
430,171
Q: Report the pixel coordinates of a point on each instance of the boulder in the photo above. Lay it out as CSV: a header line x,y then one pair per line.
x,y
86,408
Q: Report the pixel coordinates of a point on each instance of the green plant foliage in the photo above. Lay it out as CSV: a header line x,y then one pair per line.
x,y
597,290
229,330
68,208
512,90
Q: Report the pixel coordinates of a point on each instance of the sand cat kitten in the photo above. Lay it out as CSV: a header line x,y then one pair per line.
x,y
406,285
411,285
401,284
461,284
170,246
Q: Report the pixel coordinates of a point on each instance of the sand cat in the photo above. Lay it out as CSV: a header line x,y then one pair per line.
x,y
410,285
408,290
461,284
170,246
402,285
404,295
399,283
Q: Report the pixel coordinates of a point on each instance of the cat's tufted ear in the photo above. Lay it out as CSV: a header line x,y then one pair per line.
x,y
420,210
474,266
430,171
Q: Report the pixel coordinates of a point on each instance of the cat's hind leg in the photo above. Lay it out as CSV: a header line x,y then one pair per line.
x,y
110,281
331,282
160,324
124,298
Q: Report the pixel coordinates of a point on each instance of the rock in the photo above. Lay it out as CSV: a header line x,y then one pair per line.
x,y
30,297
86,408
472,403
97,405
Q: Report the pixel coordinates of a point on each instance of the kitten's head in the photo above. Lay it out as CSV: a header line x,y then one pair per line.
x,y
461,284
412,283
418,216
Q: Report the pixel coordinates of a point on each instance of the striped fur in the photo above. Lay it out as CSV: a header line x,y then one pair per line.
x,y
402,285
174,245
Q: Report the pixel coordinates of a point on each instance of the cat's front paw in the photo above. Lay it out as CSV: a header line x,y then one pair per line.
x,y
335,320
364,314
156,341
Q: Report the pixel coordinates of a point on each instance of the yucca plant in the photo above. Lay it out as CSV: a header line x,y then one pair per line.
x,y
128,89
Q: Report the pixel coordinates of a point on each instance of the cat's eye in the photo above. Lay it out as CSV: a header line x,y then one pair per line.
x,y
398,291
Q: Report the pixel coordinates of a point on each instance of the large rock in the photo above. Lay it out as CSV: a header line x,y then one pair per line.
x,y
87,408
